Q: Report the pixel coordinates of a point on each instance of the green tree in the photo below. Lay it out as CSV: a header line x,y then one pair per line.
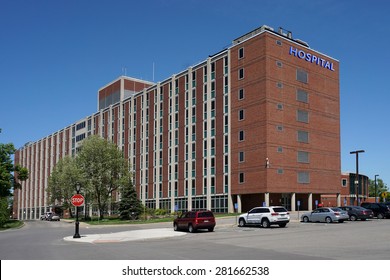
x,y
4,213
105,167
129,205
7,171
381,187
10,175
62,181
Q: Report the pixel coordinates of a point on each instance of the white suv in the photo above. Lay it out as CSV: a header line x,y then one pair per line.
x,y
265,216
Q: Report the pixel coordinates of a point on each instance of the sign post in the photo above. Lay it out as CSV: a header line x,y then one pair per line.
x,y
77,200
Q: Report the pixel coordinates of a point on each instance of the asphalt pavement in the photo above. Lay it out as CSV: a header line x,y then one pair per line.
x,y
145,234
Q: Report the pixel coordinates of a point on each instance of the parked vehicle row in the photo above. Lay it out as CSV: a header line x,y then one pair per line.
x,y
278,215
50,216
338,214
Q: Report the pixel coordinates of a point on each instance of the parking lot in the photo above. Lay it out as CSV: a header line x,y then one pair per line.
x,y
358,240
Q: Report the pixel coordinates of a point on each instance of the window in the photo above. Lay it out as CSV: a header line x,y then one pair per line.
x,y
279,85
279,127
241,135
303,157
241,74
240,94
241,53
279,64
280,106
240,115
241,178
280,149
302,116
302,96
344,182
302,76
303,136
303,177
278,42
241,156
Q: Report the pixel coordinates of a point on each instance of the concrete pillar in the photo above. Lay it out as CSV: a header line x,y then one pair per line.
x,y
230,204
338,196
293,203
239,209
266,198
310,202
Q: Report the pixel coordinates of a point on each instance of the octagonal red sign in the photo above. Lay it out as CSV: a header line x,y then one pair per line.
x,y
77,200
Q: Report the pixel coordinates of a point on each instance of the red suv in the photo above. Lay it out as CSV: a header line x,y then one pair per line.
x,y
194,220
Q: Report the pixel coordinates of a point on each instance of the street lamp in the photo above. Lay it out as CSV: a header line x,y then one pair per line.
x,y
375,188
357,174
76,233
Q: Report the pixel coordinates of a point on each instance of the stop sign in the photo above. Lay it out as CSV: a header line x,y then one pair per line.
x,y
77,200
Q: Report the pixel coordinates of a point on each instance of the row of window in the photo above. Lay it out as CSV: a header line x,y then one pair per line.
x,y
302,156
303,177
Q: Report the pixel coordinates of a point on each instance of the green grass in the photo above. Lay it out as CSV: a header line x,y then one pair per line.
x,y
117,221
11,224
141,220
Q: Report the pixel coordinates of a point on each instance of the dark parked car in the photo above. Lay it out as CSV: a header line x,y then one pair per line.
x,y
380,210
194,220
358,213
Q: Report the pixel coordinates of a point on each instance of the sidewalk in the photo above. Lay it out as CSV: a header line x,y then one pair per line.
x,y
131,235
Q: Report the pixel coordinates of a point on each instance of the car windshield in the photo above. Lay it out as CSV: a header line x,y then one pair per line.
x,y
280,209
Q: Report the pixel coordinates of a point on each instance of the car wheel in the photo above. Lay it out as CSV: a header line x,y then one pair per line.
x,y
191,228
175,228
328,220
380,216
265,223
241,223
353,218
211,229
282,225
305,219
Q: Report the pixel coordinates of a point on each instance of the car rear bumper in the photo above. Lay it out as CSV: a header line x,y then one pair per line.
x,y
280,222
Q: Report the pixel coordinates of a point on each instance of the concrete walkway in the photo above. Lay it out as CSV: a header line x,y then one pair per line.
x,y
131,235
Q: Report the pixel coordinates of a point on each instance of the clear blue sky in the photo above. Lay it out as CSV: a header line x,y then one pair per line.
x,y
55,55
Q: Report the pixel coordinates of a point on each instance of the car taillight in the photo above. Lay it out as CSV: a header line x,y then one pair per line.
x,y
337,213
275,214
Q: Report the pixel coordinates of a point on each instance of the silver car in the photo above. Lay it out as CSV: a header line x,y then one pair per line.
x,y
326,214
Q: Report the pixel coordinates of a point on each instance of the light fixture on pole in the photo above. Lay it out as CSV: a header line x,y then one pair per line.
x,y
357,174
376,189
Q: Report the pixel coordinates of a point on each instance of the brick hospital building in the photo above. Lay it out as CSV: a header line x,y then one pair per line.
x,y
255,124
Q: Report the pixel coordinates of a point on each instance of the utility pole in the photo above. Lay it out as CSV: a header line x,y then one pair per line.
x,y
357,174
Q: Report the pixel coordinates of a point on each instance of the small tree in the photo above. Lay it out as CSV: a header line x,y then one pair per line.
x,y
62,181
381,187
130,206
105,167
